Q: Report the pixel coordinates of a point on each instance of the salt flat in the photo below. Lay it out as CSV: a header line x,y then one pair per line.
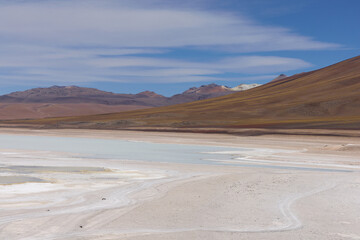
x,y
265,187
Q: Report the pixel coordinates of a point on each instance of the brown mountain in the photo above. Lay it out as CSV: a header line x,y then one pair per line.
x,y
59,101
325,98
207,89
200,93
45,110
74,94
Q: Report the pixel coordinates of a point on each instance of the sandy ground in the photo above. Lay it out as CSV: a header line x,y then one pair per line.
x,y
97,199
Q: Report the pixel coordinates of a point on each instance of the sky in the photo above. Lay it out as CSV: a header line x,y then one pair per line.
x,y
168,46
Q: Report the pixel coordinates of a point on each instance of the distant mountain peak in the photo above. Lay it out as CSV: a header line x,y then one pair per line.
x,y
59,95
207,89
281,76
149,94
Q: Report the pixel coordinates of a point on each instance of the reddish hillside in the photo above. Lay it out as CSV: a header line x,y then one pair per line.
x,y
43,110
75,94
325,98
58,101
200,93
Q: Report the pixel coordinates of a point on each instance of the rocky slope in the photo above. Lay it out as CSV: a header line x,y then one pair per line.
x,y
58,101
324,98
74,94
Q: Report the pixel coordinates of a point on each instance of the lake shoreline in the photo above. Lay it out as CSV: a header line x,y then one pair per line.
x,y
243,131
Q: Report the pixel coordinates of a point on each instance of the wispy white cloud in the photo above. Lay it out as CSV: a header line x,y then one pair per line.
x,y
88,67
243,64
79,41
93,24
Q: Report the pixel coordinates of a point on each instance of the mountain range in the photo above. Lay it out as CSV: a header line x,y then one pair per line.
x,y
74,101
325,98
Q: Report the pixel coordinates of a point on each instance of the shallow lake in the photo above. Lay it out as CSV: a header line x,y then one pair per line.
x,y
131,150
115,148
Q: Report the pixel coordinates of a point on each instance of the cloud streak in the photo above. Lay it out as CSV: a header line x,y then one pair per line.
x,y
79,41
78,24
87,66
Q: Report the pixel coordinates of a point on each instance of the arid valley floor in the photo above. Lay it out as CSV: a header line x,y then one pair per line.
x,y
272,187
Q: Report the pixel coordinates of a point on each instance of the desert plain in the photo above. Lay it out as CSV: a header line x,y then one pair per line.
x,y
265,187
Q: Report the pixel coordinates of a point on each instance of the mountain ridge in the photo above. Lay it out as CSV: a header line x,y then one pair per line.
x,y
56,92
56,101
325,98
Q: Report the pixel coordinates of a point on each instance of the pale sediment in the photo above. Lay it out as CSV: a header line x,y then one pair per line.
x,y
84,198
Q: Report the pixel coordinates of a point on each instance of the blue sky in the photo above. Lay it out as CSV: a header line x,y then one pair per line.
x,y
128,46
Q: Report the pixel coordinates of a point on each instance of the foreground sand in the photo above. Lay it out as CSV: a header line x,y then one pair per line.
x,y
139,200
